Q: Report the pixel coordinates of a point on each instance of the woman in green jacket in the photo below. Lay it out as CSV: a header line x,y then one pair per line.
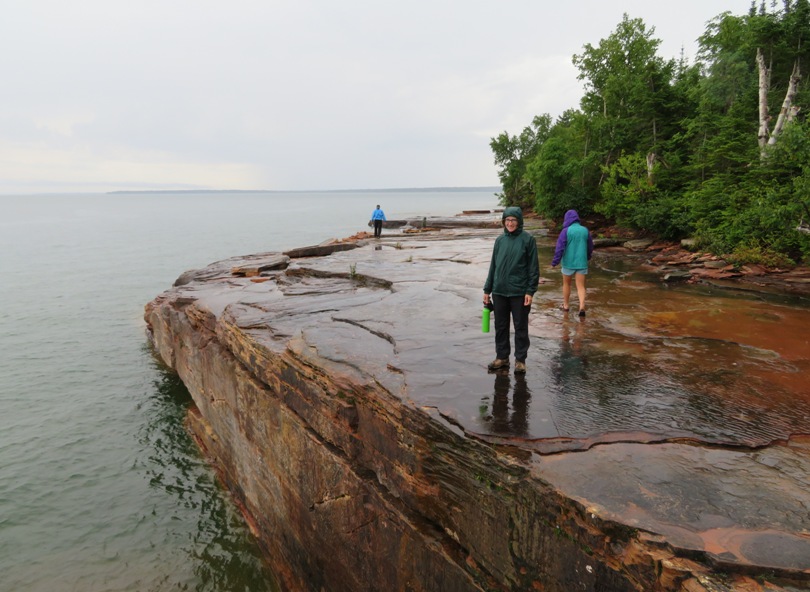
x,y
514,273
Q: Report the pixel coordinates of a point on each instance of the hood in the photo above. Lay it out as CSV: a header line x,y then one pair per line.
x,y
517,213
571,216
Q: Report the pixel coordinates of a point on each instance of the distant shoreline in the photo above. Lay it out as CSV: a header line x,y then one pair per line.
x,y
389,190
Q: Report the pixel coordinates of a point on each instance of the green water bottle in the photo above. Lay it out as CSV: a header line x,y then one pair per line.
x,y
485,317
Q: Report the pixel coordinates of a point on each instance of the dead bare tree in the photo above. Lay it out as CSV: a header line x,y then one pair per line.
x,y
764,116
767,137
789,110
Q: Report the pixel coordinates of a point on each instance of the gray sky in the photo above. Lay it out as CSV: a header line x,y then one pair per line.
x,y
101,95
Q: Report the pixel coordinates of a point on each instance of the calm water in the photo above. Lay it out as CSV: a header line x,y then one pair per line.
x,y
101,489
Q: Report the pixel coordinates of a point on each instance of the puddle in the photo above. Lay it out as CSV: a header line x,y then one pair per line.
x,y
657,361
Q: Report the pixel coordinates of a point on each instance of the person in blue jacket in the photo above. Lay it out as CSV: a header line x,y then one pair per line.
x,y
514,273
377,217
574,250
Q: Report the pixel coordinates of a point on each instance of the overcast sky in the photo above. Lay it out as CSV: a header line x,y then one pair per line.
x,y
100,95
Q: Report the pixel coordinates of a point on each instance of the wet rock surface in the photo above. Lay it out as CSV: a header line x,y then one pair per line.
x,y
659,444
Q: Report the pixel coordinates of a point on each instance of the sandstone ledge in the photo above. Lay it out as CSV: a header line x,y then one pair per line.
x,y
674,263
336,397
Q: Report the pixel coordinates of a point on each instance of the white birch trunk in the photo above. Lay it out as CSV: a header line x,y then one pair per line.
x,y
764,84
789,110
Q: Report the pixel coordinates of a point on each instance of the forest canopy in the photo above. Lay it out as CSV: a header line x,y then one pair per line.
x,y
717,150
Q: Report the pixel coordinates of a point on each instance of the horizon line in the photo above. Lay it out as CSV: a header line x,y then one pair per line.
x,y
366,190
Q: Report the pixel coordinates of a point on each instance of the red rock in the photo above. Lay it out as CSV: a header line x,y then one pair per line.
x,y
753,270
342,411
715,274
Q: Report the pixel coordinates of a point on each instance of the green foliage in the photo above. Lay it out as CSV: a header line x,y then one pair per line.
x,y
753,252
627,188
672,147
512,154
754,215
561,172
631,197
620,72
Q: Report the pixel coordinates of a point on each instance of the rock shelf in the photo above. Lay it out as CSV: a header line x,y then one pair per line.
x,y
337,390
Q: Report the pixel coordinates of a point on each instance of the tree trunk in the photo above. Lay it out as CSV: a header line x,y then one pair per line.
x,y
651,156
764,118
584,158
789,110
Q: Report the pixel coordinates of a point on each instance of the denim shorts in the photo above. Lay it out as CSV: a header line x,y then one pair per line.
x,y
567,271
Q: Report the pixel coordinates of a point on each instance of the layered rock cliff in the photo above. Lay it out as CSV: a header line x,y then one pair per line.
x,y
339,394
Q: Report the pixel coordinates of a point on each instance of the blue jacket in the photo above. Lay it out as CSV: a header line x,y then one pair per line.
x,y
377,214
514,269
574,245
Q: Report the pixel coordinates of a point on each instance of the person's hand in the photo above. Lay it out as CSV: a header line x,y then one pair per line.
x,y
486,299
527,300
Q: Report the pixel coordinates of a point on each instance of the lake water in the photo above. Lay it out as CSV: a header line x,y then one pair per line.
x,y
101,489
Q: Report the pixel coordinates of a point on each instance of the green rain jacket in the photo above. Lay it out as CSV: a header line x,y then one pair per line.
x,y
514,269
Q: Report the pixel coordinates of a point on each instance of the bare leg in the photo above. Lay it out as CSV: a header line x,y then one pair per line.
x,y
580,280
566,291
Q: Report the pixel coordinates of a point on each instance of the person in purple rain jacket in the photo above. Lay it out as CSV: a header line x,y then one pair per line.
x,y
574,250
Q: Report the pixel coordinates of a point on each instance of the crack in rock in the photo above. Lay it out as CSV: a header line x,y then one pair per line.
x,y
379,334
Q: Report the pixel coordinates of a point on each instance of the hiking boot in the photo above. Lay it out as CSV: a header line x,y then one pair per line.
x,y
520,367
498,363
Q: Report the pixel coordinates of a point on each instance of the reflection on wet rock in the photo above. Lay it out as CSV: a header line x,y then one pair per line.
x,y
509,412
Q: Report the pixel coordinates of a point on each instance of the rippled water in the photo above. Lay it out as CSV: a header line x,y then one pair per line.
x,y
101,488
